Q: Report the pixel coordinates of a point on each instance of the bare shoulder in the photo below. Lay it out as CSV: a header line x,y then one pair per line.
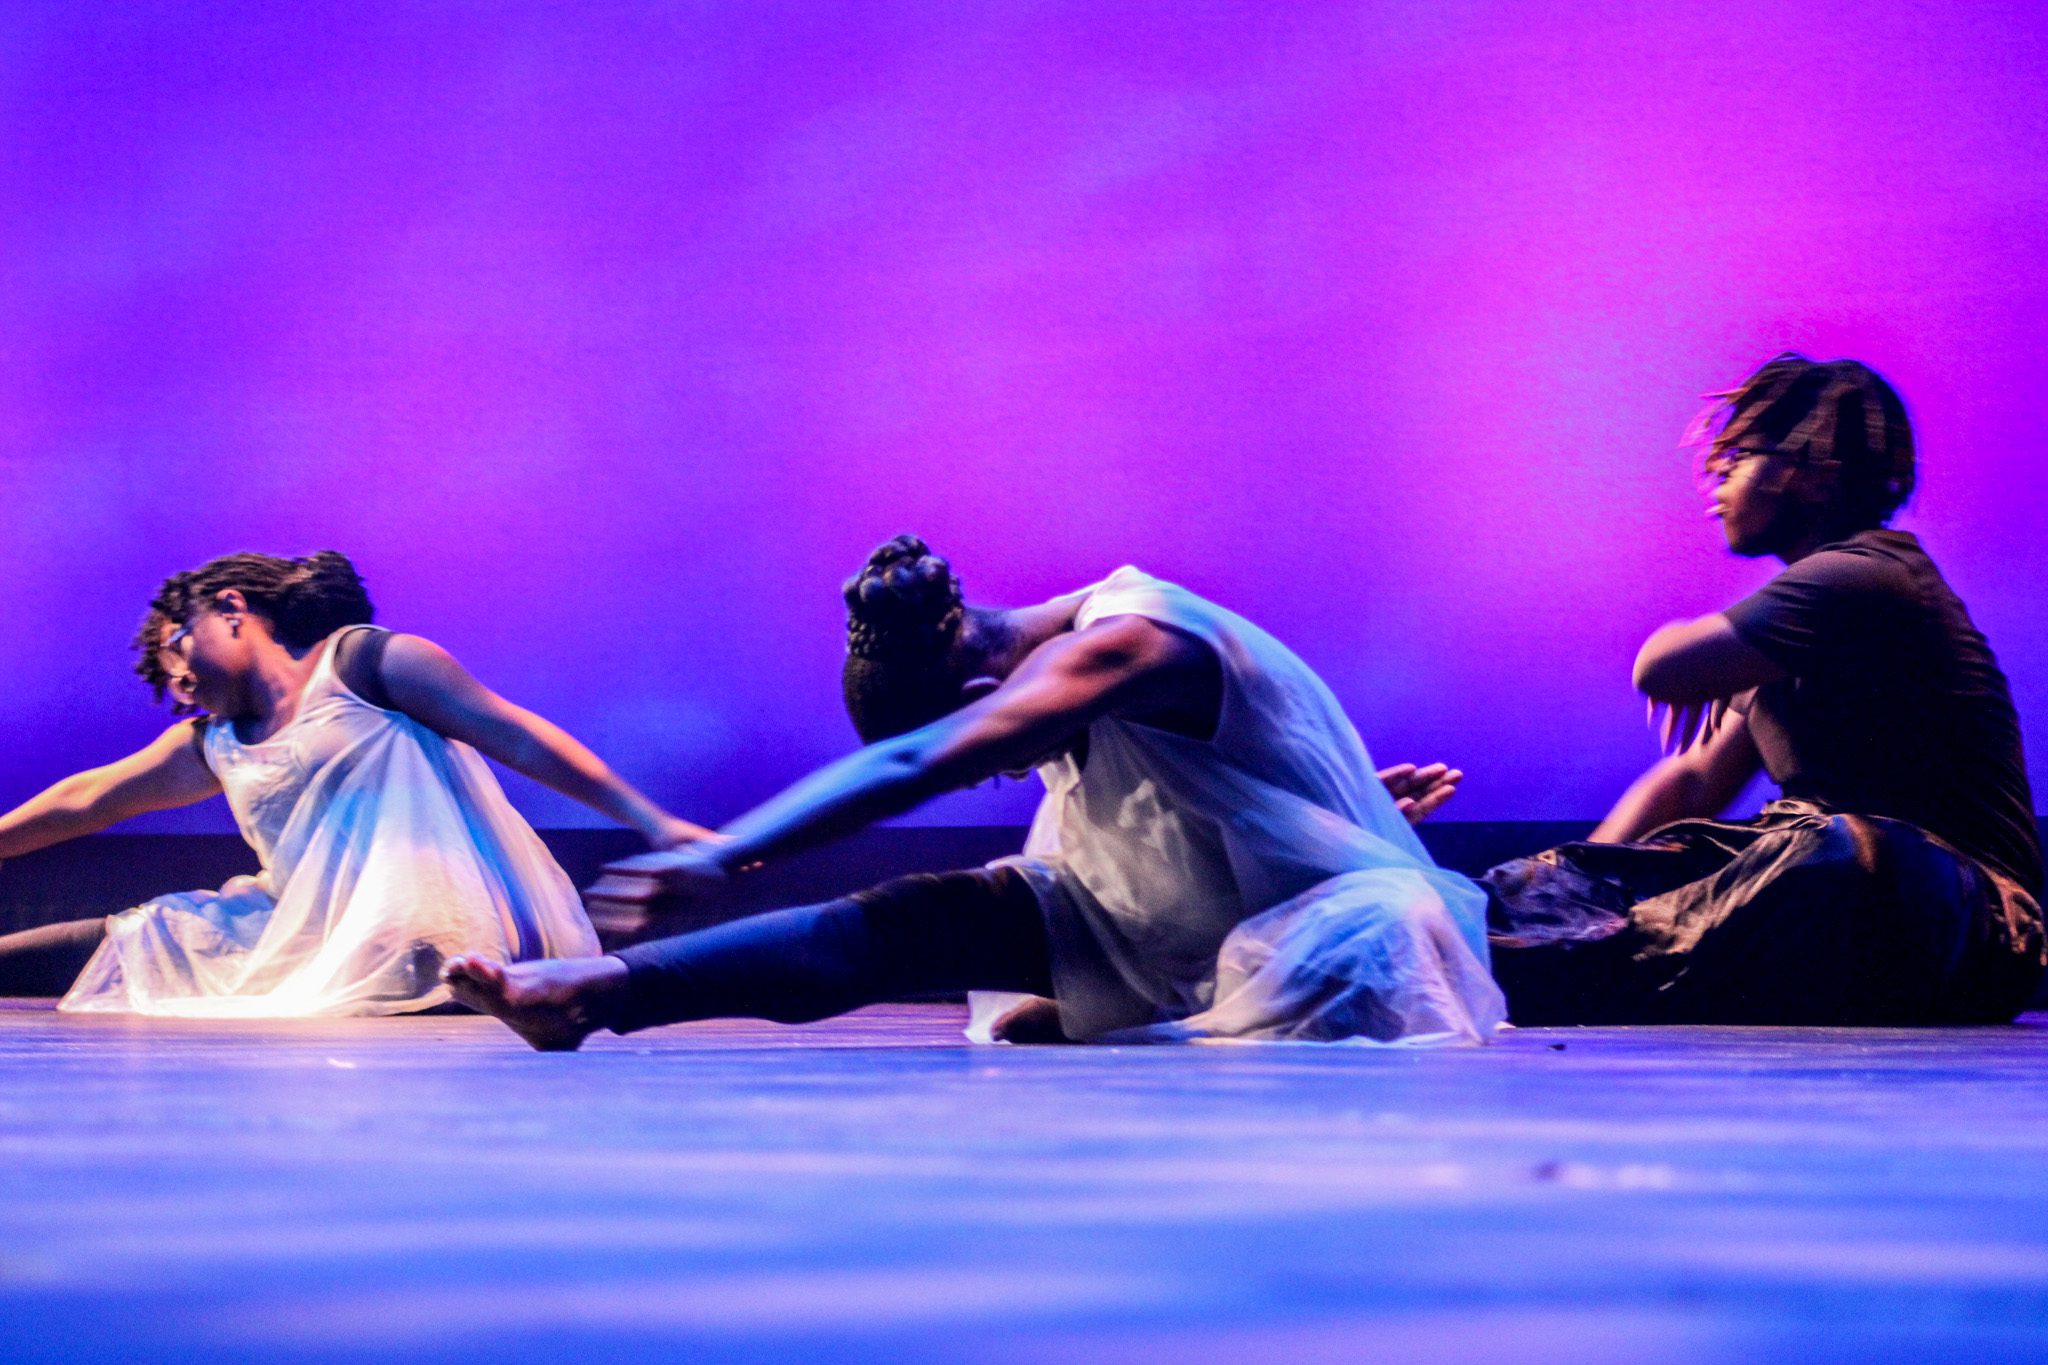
x,y
183,736
169,771
1134,643
415,658
1146,671
424,680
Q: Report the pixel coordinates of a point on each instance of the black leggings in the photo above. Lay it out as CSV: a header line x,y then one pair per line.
x,y
919,935
46,961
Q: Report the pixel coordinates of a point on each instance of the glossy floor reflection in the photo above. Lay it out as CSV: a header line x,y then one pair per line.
x,y
426,1189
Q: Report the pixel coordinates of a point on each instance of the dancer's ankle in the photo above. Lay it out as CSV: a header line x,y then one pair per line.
x,y
604,998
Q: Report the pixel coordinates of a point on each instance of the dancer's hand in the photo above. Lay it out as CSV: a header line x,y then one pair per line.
x,y
622,900
1682,726
671,831
1420,792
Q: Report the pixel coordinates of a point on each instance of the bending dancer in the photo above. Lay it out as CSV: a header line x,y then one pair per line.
x,y
344,752
1214,855
1898,880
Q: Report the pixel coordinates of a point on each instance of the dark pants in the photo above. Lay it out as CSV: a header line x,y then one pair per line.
x,y
920,935
1801,916
46,961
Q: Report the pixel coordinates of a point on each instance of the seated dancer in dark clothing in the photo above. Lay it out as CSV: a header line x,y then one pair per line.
x,y
1898,879
1214,857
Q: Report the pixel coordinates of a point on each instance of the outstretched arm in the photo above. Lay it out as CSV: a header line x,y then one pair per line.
x,y
168,773
1124,664
425,681
1700,781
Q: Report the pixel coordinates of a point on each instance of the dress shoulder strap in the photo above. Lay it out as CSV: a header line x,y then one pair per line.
x,y
202,743
358,663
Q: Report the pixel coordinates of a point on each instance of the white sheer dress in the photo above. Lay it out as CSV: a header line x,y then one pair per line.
x,y
385,848
1259,884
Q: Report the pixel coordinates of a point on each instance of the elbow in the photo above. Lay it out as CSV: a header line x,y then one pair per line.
x,y
897,761
1657,672
79,795
920,766
1646,676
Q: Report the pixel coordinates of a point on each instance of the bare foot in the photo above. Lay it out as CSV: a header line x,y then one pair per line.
x,y
1036,1020
553,1004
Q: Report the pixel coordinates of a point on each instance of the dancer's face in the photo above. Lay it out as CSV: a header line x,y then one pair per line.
x,y
1750,492
208,658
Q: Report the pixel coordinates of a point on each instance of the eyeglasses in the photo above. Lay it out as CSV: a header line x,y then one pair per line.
x,y
1719,466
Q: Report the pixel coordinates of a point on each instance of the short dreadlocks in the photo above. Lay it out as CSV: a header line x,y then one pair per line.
x,y
1836,413
305,601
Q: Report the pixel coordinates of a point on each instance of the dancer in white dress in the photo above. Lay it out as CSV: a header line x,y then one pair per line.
x,y
349,756
1214,857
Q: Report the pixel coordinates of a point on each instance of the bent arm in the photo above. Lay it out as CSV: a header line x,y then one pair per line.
x,y
1700,660
1124,663
1699,782
166,774
425,682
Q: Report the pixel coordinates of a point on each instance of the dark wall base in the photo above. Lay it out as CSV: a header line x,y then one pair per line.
x,y
110,872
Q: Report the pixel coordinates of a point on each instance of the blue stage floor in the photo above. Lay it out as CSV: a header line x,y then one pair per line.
x,y
426,1189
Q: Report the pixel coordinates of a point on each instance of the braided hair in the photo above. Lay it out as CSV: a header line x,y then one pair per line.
x,y
1838,413
904,620
304,600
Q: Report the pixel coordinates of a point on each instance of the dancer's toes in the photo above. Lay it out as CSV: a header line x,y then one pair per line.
x,y
463,970
477,982
554,1005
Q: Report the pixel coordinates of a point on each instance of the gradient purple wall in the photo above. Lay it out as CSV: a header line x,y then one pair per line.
x,y
609,337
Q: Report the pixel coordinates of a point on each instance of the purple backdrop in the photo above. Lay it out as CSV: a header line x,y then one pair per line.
x,y
608,337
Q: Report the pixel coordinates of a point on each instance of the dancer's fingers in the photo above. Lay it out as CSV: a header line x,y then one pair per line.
x,y
1687,724
1435,799
617,917
674,833
1445,781
644,864
621,889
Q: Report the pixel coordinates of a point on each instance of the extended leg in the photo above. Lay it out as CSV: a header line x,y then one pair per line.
x,y
47,960
978,929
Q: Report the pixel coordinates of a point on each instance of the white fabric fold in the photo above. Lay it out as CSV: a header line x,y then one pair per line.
x,y
1258,884
385,849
